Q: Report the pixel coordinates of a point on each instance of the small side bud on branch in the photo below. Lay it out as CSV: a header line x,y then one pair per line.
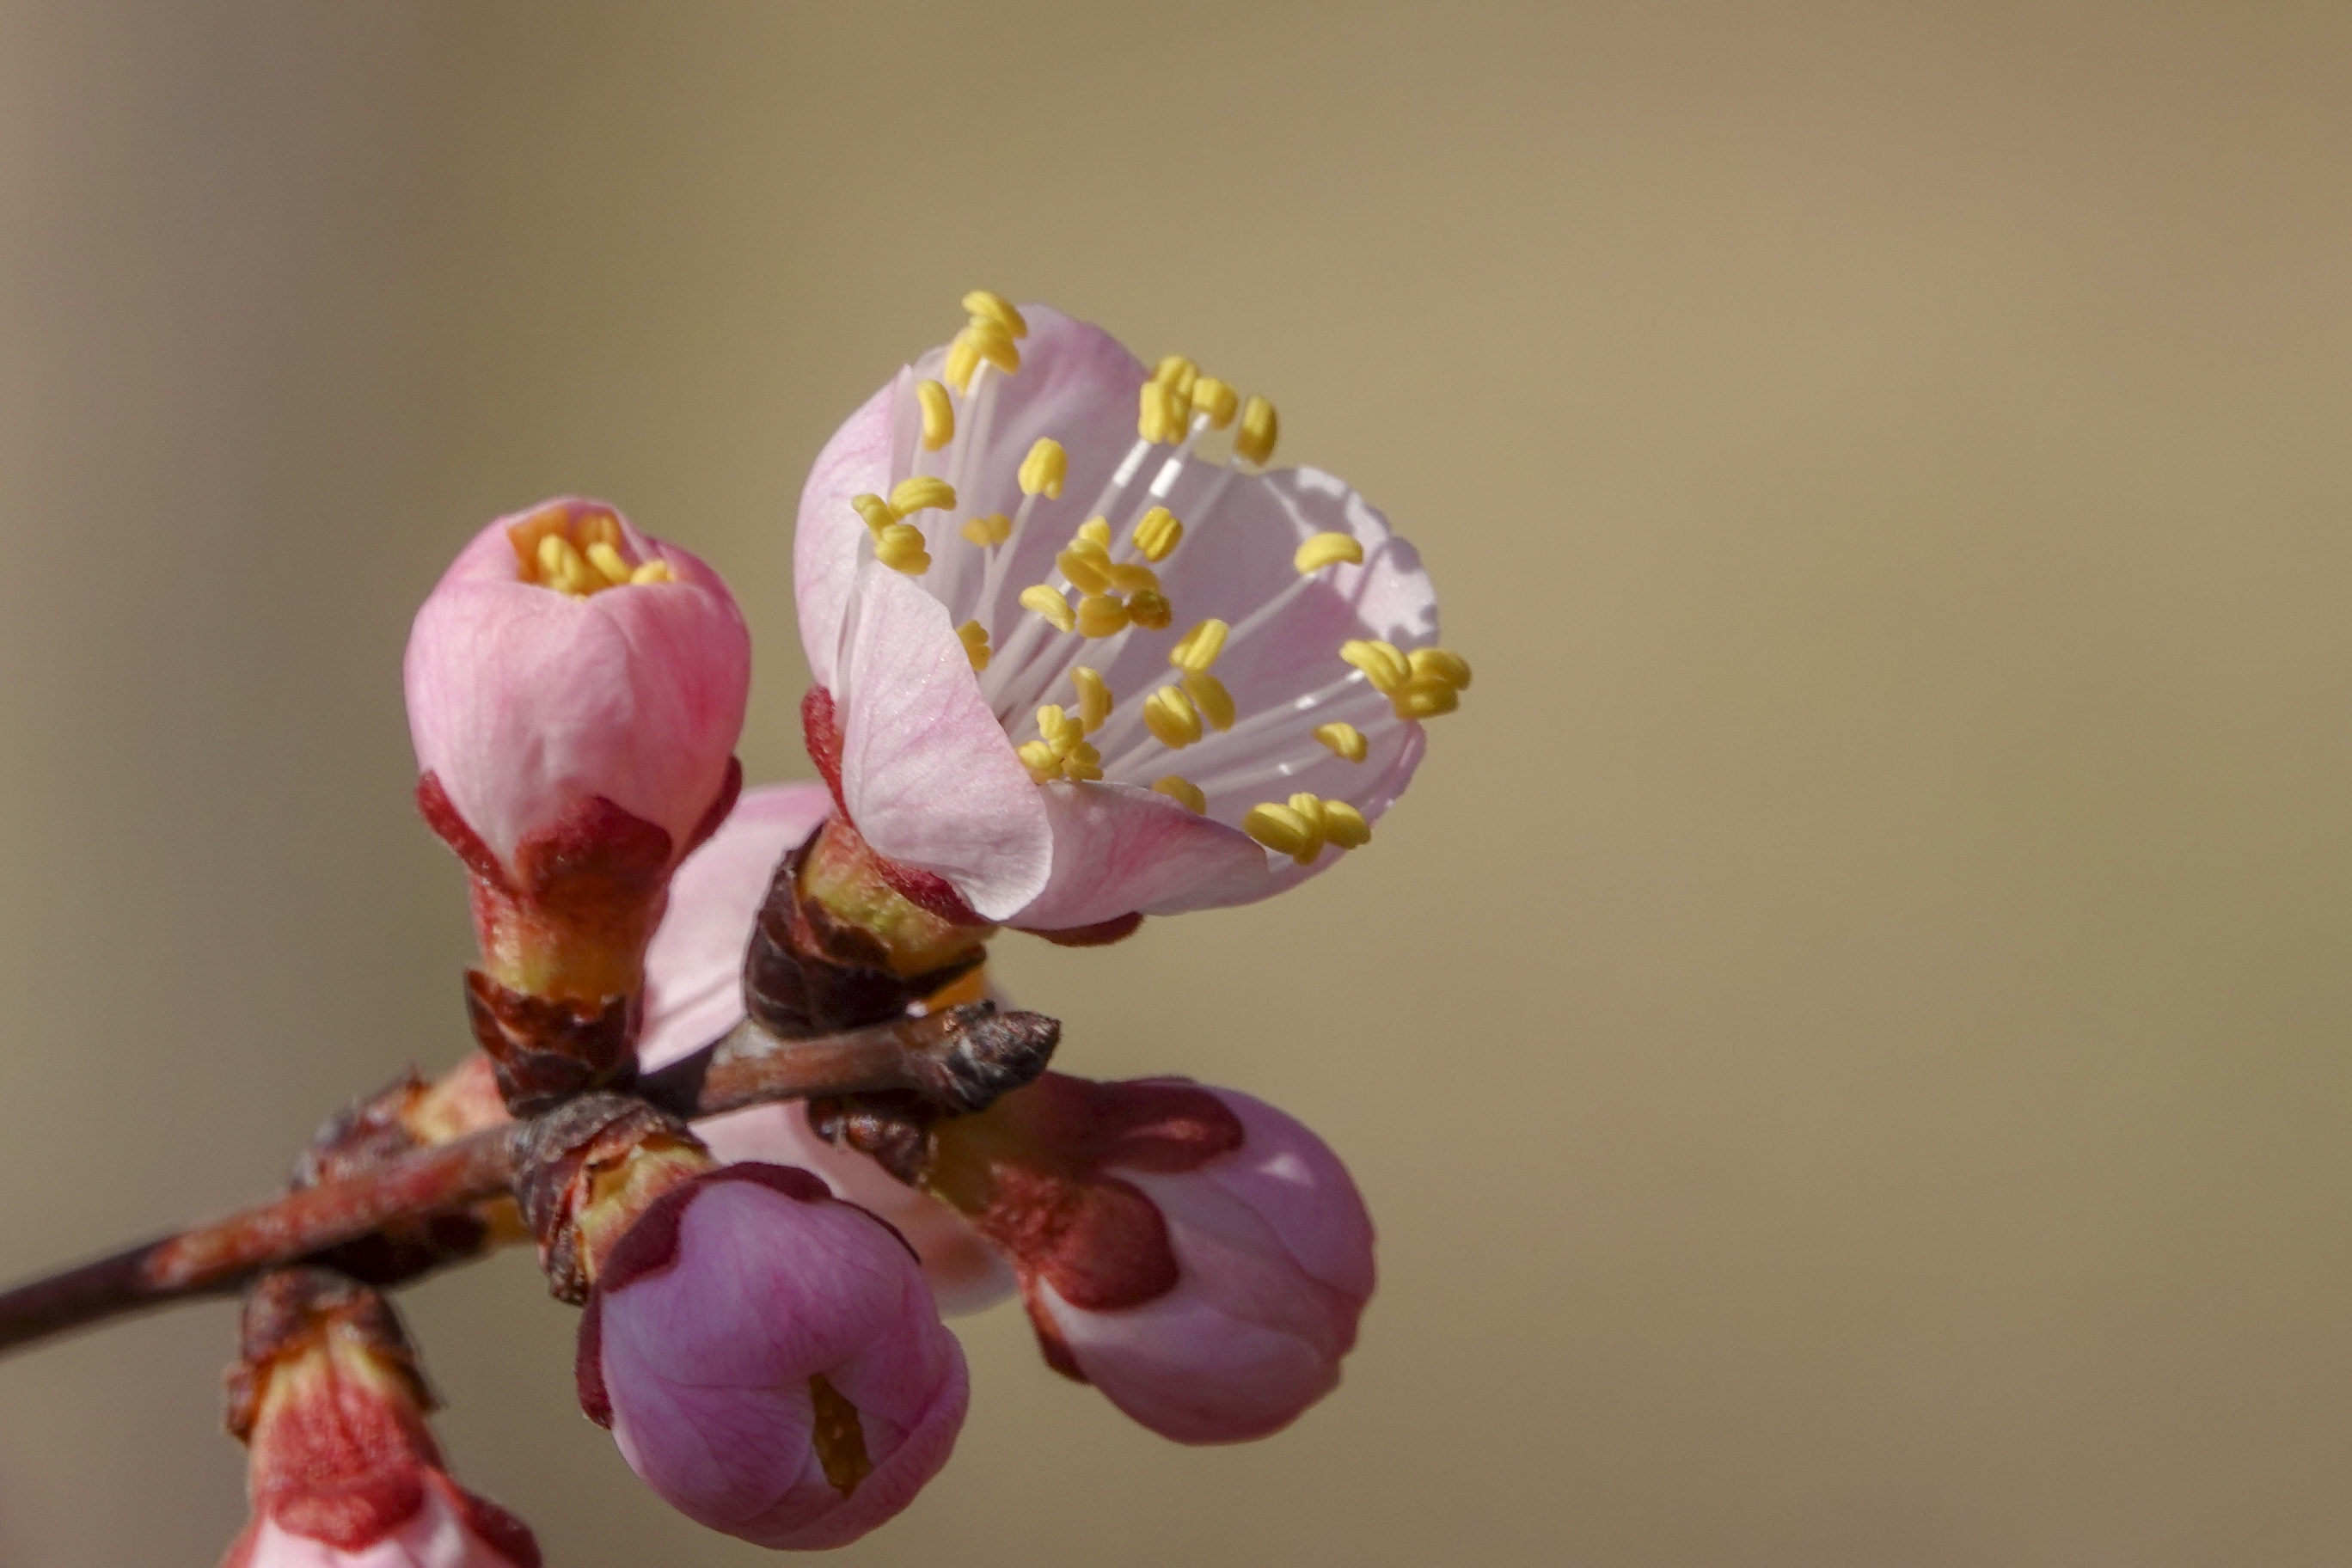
x,y
585,1172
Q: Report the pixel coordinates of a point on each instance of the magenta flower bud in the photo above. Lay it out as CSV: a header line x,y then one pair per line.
x,y
1195,1254
769,1359
343,1470
575,688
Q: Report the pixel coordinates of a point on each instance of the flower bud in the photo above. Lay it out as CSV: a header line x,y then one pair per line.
x,y
1195,1254
575,689
342,1472
769,1359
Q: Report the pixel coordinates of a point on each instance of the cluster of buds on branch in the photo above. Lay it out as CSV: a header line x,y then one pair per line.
x,y
1080,657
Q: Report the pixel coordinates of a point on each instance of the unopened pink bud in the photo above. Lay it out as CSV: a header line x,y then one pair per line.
x,y
342,1471
1194,1252
770,1361
575,688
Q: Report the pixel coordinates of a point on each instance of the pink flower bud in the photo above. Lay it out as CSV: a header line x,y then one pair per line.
x,y
342,1471
693,993
1195,1254
575,688
769,1359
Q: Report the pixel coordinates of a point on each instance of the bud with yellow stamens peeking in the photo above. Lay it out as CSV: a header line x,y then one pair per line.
x,y
1288,646
574,739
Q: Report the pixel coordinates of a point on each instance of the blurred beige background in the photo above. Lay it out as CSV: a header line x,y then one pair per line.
x,y
1845,1041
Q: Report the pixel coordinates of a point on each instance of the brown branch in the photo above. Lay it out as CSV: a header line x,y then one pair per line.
x,y
963,1057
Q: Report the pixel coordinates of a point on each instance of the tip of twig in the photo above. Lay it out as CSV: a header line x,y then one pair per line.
x,y
995,1053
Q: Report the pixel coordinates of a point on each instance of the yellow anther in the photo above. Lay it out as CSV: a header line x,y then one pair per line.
x,y
938,415
1158,534
1184,792
1345,740
1345,825
653,571
1040,760
1086,565
1171,717
1436,664
1057,729
1079,770
1216,399
1197,649
1283,830
900,548
993,530
563,567
923,490
1149,608
1309,810
1129,577
1253,442
608,561
1094,698
597,528
1380,662
1100,616
1043,471
1424,698
876,511
1162,418
994,342
1177,374
1048,601
974,638
1210,696
963,360
1324,548
997,309
1096,530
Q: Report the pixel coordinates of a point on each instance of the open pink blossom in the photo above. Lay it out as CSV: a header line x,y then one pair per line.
x,y
769,1359
564,657
693,993
1080,670
1194,1252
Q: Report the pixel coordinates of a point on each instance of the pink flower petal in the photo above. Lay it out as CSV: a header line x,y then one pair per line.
x,y
694,967
1119,847
925,771
827,539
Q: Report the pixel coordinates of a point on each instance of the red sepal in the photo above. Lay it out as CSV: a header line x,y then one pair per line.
x,y
440,814
1102,933
1047,1199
